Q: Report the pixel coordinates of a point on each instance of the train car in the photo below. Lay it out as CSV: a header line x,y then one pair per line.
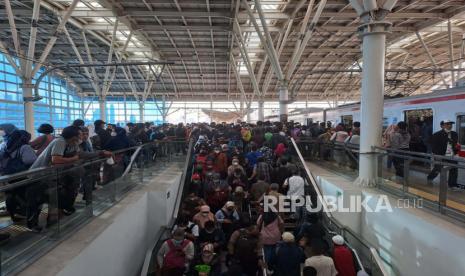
x,y
423,114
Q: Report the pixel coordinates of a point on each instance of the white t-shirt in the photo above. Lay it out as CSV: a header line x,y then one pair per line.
x,y
449,150
296,186
324,265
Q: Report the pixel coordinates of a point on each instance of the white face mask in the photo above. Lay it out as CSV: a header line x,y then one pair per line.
x,y
2,133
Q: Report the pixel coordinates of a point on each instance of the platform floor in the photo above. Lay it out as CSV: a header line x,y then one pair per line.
x,y
417,183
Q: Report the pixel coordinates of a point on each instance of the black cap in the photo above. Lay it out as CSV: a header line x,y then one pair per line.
x,y
99,123
78,123
45,129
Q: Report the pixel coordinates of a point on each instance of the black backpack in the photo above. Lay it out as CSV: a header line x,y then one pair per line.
x,y
245,247
15,164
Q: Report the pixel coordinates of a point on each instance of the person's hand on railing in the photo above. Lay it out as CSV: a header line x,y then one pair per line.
x,y
105,153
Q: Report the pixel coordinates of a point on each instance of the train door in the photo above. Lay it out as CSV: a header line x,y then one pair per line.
x,y
347,121
460,125
420,125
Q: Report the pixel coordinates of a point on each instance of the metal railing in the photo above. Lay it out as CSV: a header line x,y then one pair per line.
x,y
51,196
164,232
409,180
333,226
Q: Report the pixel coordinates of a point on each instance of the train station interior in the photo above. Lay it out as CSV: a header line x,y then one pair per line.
x,y
232,137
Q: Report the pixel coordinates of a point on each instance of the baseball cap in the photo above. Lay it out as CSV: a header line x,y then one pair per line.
x,y
447,122
99,123
338,240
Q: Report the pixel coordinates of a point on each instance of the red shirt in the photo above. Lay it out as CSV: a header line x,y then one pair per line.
x,y
344,261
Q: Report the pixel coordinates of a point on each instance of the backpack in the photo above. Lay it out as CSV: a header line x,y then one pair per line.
x,y
95,140
15,164
246,135
245,246
176,257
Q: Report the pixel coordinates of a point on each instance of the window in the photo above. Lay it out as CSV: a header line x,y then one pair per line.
x,y
461,129
59,106
420,125
347,120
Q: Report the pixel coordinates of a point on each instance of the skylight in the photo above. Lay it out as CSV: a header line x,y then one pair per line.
x,y
252,39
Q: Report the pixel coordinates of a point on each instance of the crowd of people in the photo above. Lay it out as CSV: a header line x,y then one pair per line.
x,y
443,143
223,227
75,144
340,143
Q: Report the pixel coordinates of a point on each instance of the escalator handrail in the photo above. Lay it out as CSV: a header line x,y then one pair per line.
x,y
162,231
182,183
331,217
312,179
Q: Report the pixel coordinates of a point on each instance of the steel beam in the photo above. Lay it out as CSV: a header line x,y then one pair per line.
x,y
430,57
54,37
451,51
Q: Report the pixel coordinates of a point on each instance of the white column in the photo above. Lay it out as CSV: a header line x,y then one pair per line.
x,y
28,107
248,117
261,111
103,112
283,102
141,112
374,44
163,104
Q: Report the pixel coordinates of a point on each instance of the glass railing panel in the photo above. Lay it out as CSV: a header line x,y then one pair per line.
x,y
65,197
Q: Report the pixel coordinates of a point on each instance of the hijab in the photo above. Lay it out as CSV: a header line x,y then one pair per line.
x,y
280,149
17,139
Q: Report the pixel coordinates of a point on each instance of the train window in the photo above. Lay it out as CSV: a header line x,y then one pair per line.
x,y
461,128
347,120
420,124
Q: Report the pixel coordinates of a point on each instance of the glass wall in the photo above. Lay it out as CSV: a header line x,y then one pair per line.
x,y
119,111
59,107
180,112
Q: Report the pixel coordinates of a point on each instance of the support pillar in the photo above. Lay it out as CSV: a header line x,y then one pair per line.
x,y
102,107
261,111
141,112
248,117
164,112
28,107
283,102
372,99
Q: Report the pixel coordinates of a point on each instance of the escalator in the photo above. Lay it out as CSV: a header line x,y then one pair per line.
x,y
368,263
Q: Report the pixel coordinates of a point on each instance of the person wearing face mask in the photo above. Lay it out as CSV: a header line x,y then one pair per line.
x,y
62,150
175,254
5,131
91,173
209,258
203,216
238,179
235,165
220,164
211,234
103,136
245,248
40,143
17,156
444,142
228,217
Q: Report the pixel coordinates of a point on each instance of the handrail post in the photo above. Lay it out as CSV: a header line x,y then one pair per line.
x,y
405,182
443,188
